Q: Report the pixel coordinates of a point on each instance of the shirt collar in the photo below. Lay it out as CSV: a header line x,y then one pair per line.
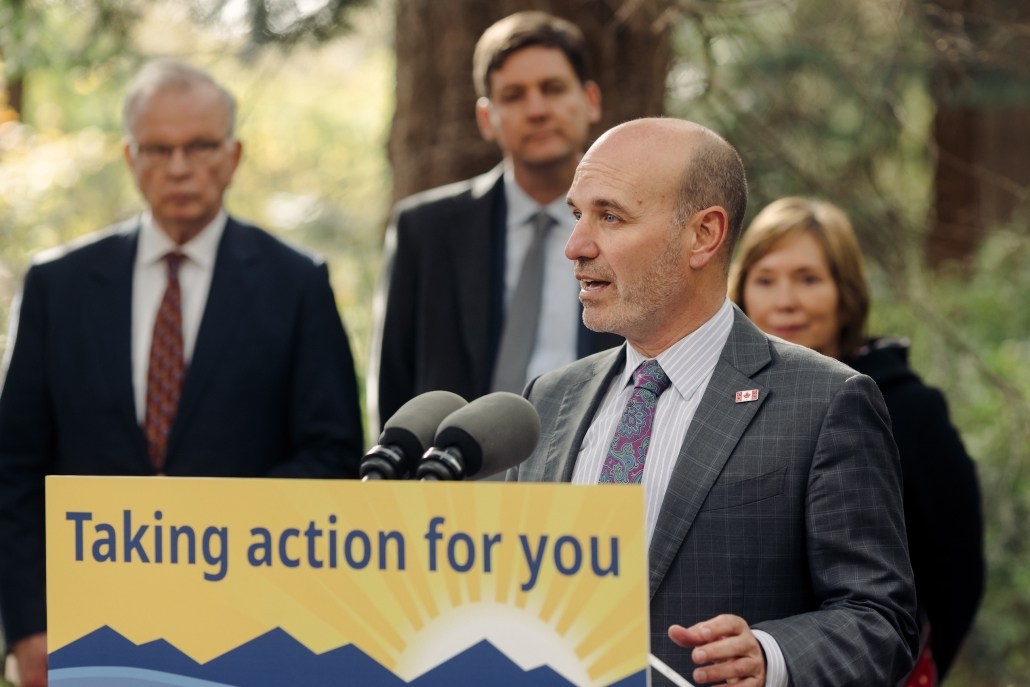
x,y
202,249
522,208
689,361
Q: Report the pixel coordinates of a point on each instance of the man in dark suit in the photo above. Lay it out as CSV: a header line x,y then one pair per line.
x,y
777,549
181,343
476,295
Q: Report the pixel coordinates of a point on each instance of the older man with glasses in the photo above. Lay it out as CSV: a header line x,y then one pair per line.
x,y
182,342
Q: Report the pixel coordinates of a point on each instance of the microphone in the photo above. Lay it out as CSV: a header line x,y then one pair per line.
x,y
407,435
493,433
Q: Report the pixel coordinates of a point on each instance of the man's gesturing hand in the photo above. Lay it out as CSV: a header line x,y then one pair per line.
x,y
727,642
32,660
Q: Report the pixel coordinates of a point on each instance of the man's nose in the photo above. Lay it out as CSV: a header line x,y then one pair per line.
x,y
178,163
537,105
581,245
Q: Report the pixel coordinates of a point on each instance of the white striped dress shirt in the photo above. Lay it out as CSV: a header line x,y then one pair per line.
x,y
689,364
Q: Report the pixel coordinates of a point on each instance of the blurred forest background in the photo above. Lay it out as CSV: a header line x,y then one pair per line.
x,y
912,115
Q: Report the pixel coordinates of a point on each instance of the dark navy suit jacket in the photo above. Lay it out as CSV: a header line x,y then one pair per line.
x,y
270,389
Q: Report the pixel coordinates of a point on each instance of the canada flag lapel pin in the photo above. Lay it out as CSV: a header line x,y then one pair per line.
x,y
746,396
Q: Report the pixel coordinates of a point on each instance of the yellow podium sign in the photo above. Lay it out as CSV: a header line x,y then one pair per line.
x,y
262,583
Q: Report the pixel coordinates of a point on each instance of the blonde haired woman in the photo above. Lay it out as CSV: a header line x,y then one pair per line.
x,y
799,275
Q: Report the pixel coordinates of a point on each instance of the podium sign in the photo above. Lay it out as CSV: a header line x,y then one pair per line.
x,y
269,583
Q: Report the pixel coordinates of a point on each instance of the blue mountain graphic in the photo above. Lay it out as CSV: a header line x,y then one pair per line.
x,y
275,659
105,647
484,664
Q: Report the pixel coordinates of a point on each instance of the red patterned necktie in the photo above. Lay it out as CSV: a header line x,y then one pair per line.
x,y
167,366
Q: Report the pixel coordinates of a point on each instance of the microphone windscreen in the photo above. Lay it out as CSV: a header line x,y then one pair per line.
x,y
495,432
413,427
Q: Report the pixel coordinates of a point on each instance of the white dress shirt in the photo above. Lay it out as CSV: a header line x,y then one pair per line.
x,y
149,281
689,364
558,331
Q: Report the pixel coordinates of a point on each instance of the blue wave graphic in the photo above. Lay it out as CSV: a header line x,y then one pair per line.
x,y
104,658
107,676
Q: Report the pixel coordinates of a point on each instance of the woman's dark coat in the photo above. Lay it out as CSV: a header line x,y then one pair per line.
x,y
942,498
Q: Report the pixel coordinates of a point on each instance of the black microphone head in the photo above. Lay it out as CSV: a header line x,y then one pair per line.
x,y
495,432
413,427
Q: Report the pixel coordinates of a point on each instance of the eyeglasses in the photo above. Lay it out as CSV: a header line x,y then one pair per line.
x,y
157,155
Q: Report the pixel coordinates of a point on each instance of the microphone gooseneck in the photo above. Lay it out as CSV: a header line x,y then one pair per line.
x,y
443,464
493,433
407,435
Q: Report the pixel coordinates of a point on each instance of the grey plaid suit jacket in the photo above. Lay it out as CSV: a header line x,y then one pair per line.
x,y
786,511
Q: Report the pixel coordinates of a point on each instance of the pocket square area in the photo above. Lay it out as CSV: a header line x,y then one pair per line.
x,y
745,491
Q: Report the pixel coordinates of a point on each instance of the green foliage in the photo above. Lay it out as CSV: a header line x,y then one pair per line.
x,y
969,336
91,34
53,187
288,23
835,100
827,98
35,34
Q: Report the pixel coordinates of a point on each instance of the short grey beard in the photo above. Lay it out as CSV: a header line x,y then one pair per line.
x,y
634,316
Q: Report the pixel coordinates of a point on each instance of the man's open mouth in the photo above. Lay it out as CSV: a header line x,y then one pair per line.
x,y
592,284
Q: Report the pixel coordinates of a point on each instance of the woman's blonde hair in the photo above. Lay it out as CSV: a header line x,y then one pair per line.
x,y
831,227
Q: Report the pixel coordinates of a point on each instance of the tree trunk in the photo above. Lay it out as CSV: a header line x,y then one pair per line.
x,y
982,171
15,95
434,139
982,175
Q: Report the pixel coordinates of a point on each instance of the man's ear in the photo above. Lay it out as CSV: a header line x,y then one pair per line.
x,y
711,226
236,154
486,126
593,92
129,159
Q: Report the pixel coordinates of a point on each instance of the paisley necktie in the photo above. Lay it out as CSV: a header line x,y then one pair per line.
x,y
624,463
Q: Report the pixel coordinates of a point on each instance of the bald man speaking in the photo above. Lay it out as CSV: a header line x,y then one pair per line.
x,y
772,485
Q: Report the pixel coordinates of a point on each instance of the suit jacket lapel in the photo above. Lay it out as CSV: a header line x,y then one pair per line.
x,y
714,432
231,284
472,243
578,407
109,321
